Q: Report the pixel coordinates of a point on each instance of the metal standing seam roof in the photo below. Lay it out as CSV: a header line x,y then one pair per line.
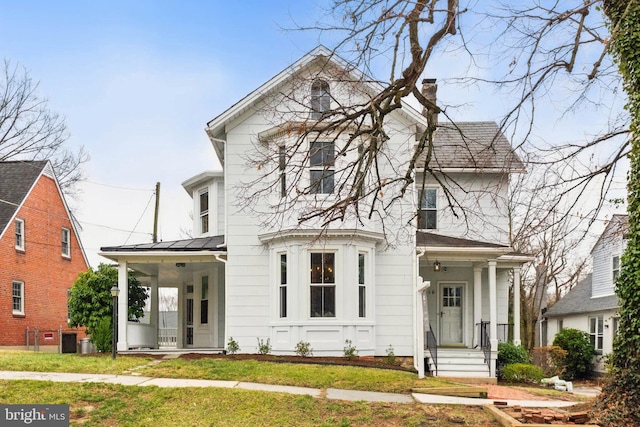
x,y
579,301
16,179
472,145
212,243
436,240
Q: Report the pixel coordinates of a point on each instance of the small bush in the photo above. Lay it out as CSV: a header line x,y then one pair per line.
x,y
509,353
264,347
350,351
390,358
522,373
232,346
550,359
304,349
579,360
102,334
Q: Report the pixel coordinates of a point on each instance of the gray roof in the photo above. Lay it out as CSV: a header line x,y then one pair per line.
x,y
16,179
579,301
424,238
198,244
472,145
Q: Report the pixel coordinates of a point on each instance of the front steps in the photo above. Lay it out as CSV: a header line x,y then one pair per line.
x,y
459,363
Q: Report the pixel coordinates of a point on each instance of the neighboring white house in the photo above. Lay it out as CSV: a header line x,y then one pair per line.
x,y
592,305
381,282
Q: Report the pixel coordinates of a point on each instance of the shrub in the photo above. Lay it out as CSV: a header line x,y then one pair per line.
x,y
579,360
550,359
102,334
264,347
521,373
390,358
509,353
350,351
232,346
304,349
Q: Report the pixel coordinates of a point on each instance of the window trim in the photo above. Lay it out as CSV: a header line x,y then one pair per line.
x,y
67,243
20,246
323,285
326,150
20,311
615,272
422,208
320,98
282,285
204,214
362,284
597,335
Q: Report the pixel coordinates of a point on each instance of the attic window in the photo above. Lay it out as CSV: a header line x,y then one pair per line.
x,y
320,99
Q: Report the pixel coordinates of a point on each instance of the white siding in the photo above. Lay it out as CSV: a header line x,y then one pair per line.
x,y
609,244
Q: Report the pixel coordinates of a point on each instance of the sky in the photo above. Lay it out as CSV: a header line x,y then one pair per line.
x,y
138,81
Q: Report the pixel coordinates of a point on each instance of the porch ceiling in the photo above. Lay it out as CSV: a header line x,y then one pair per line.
x,y
170,274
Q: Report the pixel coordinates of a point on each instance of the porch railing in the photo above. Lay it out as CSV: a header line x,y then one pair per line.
x,y
485,341
167,337
432,347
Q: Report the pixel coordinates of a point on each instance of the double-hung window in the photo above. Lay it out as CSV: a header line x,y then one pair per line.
x,y
19,224
282,163
283,285
66,245
322,157
427,217
204,211
596,332
18,297
362,285
320,99
615,267
323,284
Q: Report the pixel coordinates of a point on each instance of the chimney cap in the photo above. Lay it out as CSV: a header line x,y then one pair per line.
x,y
428,81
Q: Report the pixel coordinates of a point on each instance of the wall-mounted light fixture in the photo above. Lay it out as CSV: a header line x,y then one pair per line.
x,y
436,266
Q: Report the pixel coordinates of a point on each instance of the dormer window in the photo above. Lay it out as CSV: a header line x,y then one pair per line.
x,y
204,211
320,99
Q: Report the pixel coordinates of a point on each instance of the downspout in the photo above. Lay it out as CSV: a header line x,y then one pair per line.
x,y
418,334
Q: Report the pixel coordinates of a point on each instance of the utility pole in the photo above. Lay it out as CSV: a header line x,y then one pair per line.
x,y
155,215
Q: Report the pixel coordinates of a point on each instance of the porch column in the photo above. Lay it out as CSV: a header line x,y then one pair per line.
x,y
154,320
123,305
477,302
516,306
493,315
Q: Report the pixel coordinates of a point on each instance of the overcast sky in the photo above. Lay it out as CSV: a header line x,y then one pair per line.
x,y
137,81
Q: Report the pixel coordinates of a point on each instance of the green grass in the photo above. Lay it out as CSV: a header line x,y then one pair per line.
x,y
108,404
53,362
302,375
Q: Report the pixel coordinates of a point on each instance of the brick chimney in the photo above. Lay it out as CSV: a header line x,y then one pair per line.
x,y
429,91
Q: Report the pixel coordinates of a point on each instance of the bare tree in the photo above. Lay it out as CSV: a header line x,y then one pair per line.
x,y
30,131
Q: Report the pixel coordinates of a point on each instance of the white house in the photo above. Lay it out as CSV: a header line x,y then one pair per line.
x,y
592,305
434,288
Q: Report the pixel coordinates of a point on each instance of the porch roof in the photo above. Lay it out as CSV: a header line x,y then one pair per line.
x,y
212,243
433,240
580,301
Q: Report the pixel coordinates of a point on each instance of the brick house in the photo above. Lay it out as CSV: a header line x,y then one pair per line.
x,y
40,256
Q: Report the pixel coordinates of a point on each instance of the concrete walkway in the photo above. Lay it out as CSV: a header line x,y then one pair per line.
x,y
331,393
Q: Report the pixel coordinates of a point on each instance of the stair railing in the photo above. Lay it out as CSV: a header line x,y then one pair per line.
x,y
485,341
432,347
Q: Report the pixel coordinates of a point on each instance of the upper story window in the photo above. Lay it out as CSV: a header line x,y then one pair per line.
x,y
427,216
320,99
19,224
282,163
66,245
18,297
615,267
322,156
204,211
323,284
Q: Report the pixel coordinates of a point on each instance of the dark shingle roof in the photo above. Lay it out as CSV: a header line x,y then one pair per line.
x,y
186,245
579,300
474,145
437,240
16,179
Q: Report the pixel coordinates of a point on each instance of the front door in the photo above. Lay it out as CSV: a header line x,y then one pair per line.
x,y
451,303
